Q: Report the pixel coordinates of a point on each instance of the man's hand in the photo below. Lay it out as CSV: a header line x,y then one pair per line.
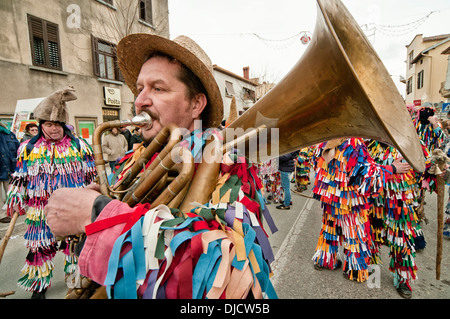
x,y
69,210
400,166
434,121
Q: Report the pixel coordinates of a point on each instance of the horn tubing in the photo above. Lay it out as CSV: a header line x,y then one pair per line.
x,y
142,119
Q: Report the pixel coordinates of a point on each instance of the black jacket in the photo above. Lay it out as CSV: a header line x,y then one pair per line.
x,y
286,162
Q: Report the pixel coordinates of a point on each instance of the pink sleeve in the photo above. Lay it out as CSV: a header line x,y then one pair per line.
x,y
94,257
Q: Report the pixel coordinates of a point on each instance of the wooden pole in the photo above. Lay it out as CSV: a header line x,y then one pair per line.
x,y
440,184
5,240
8,233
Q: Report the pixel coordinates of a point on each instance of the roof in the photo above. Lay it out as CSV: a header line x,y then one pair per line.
x,y
421,54
446,51
436,37
225,71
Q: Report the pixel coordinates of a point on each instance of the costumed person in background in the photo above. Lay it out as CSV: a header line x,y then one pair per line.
x,y
274,189
31,130
286,167
394,219
303,168
114,145
8,159
54,158
431,135
345,176
267,173
216,250
428,128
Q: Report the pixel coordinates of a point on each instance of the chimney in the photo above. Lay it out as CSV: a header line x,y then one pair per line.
x,y
246,70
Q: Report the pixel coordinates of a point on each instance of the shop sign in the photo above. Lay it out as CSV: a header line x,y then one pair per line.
x,y
112,96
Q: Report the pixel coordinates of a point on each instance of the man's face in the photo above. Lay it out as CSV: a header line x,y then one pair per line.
x,y
164,97
52,131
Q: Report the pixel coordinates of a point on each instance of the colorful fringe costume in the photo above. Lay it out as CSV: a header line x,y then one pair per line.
x,y
433,138
302,168
217,250
270,176
343,186
48,166
395,221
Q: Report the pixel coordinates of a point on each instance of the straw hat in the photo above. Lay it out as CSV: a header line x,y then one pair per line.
x,y
133,50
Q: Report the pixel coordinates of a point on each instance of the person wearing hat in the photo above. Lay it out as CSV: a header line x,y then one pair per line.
x,y
173,83
31,130
428,128
52,159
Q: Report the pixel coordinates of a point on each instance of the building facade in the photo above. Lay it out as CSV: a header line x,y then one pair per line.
x,y
426,69
242,88
48,45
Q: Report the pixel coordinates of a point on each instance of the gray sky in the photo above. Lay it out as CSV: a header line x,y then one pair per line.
x,y
265,35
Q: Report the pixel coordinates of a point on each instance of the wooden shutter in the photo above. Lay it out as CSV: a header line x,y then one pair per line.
x,y
94,44
53,45
44,43
36,32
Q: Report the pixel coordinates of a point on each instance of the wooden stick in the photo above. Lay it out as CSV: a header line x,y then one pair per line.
x,y
440,184
4,294
8,233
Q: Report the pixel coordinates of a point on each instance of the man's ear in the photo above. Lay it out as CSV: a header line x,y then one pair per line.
x,y
198,105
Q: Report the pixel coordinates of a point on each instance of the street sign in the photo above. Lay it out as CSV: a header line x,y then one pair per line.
x,y
445,107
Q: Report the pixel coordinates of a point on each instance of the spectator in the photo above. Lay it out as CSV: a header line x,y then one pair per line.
x,y
115,146
31,130
8,149
136,138
286,167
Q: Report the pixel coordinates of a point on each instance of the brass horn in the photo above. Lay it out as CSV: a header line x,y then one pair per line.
x,y
339,88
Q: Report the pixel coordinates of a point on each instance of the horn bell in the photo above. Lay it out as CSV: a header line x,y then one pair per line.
x,y
338,88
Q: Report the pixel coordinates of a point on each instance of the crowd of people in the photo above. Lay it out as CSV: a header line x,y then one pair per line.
x,y
218,247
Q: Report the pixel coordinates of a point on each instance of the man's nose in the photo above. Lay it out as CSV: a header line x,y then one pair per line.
x,y
142,100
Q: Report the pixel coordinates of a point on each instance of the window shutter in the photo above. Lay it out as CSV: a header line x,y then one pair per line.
x,y
44,43
94,44
36,31
53,45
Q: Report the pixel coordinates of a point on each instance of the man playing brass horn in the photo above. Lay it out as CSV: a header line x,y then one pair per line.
x,y
217,250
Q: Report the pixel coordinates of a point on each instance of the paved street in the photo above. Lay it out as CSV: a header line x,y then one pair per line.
x,y
294,275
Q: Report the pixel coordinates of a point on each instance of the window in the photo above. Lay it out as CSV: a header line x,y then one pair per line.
x,y
229,90
409,85
145,11
44,43
105,60
249,94
110,115
410,58
420,80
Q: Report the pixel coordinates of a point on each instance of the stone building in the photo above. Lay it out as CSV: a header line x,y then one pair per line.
x,y
47,45
426,69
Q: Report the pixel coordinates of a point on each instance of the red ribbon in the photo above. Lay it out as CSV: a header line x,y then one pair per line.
x,y
129,219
